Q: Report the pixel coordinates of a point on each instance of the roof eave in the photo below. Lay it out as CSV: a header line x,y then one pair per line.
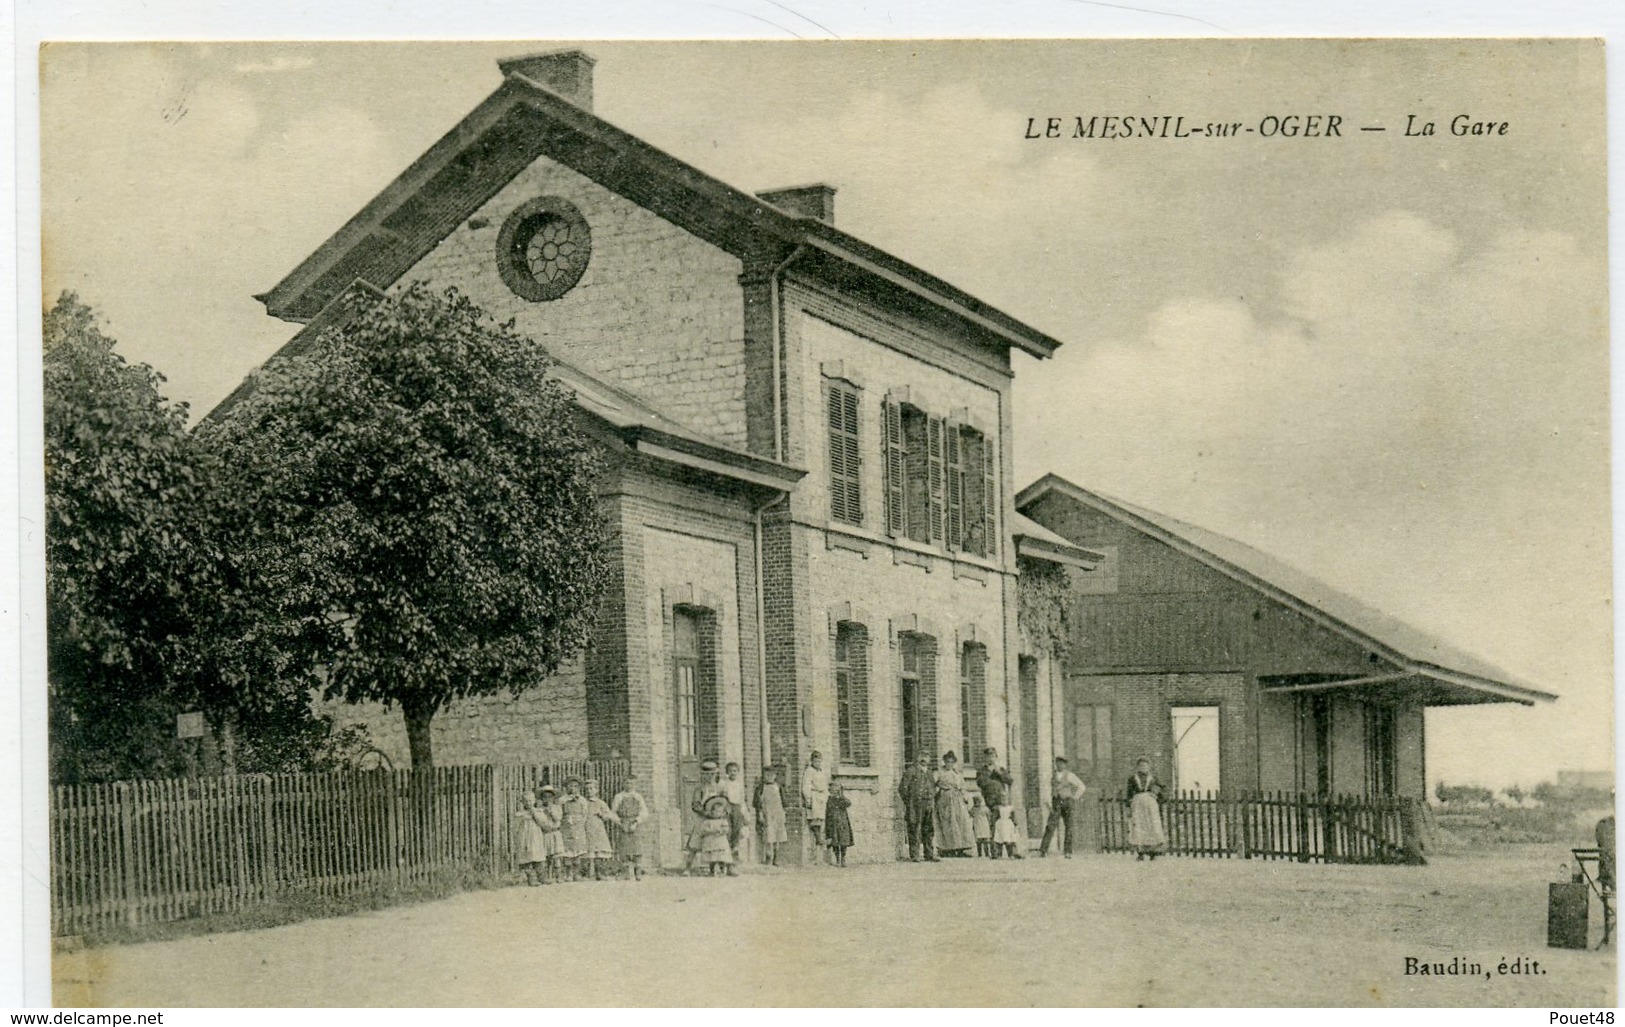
x,y
727,463
282,300
1071,556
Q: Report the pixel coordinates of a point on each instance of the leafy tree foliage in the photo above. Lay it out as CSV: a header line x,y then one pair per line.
x,y
145,609
419,516
125,561
1044,605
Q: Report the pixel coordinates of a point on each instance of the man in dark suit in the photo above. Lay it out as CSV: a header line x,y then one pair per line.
x,y
917,791
994,782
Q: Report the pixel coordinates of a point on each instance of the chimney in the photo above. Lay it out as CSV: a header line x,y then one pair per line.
x,y
807,201
565,72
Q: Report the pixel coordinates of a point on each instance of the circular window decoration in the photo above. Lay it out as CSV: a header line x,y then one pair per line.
x,y
543,248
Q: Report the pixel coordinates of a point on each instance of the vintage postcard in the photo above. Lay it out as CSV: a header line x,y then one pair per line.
x,y
913,523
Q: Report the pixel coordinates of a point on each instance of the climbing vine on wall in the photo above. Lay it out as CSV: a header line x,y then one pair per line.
x,y
1044,605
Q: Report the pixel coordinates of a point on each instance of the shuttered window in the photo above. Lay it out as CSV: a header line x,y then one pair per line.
x,y
936,429
894,456
980,495
845,460
956,486
917,474
940,481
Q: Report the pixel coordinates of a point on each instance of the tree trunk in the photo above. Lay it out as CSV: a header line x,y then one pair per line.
x,y
419,715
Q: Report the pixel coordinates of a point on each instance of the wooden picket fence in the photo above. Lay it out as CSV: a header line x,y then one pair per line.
x,y
511,780
134,852
1277,825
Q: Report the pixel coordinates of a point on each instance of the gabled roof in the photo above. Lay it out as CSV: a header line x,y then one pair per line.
x,y
1039,543
521,121
642,427
1414,651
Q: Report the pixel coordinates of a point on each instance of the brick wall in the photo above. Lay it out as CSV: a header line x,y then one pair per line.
x,y
540,726
658,311
1141,726
820,573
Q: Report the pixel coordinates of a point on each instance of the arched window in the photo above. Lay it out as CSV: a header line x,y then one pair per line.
x,y
852,693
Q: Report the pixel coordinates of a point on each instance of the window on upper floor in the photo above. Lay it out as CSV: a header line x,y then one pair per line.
x,y
941,488
845,456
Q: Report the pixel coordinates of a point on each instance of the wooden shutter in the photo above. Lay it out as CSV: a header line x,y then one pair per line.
x,y
892,441
955,451
845,495
990,502
936,475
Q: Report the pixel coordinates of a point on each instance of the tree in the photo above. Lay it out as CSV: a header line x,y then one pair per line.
x,y
145,608
127,561
421,519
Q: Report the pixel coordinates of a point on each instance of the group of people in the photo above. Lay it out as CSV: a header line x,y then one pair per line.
x,y
828,823
577,835
943,818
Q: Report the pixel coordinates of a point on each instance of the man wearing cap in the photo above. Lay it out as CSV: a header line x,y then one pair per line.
x,y
814,797
918,792
994,782
1066,791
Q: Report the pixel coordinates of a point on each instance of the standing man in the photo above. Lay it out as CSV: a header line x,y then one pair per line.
x,y
918,792
814,796
1066,791
994,782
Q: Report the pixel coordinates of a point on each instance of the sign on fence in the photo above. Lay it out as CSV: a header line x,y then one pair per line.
x,y
190,725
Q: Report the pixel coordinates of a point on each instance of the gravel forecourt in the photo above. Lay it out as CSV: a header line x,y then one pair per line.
x,y
1098,930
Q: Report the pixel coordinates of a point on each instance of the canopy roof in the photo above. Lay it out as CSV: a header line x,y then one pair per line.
x,y
1038,542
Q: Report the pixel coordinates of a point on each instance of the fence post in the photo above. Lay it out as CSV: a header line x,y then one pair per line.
x,y
1303,828
493,857
126,838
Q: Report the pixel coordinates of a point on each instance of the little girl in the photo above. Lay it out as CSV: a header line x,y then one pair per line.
x,y
630,811
598,818
980,827
572,828
770,810
837,823
713,831
552,817
530,841
1006,836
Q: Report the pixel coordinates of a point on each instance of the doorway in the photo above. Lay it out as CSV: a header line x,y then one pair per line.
x,y
694,701
1196,748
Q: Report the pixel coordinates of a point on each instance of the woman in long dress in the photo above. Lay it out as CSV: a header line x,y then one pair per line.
x,y
955,836
1145,832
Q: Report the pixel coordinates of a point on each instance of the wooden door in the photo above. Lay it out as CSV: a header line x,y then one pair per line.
x,y
685,691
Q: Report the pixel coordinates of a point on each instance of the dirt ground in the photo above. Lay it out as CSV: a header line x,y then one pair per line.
x,y
1093,931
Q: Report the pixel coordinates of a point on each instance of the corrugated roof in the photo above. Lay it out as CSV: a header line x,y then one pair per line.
x,y
1418,650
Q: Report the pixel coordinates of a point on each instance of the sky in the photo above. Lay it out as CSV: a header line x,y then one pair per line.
x,y
1381,358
